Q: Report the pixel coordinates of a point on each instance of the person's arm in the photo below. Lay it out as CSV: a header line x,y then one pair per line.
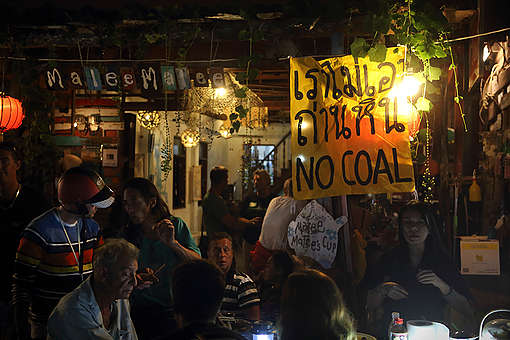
x,y
75,326
455,299
239,223
248,299
166,232
28,257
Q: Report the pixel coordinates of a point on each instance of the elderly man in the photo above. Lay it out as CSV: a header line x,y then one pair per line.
x,y
99,307
198,288
241,295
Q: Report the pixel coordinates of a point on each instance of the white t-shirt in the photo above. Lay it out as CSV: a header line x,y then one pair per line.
x,y
281,211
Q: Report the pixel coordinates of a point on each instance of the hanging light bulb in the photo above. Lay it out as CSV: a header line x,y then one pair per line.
x,y
486,52
408,87
148,119
224,131
220,92
190,138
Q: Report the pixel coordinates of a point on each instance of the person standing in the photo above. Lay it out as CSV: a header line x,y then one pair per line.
x,y
19,204
55,251
164,241
256,204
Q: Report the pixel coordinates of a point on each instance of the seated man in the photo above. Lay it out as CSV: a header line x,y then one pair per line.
x,y
241,295
99,307
197,288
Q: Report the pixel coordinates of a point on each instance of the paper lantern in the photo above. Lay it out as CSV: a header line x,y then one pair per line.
x,y
190,138
11,113
148,119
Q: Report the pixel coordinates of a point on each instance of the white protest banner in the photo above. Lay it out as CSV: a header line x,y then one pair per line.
x,y
314,233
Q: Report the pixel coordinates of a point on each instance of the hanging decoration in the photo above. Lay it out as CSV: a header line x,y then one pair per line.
x,y
149,119
224,131
428,182
222,102
190,138
11,113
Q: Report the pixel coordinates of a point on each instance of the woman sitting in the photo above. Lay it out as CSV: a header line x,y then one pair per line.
x,y
164,241
417,278
312,308
279,266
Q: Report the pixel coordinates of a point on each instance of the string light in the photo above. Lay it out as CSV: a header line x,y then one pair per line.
x,y
224,131
148,119
428,183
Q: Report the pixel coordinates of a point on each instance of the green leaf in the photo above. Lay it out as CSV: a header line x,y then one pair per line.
x,y
435,73
244,35
241,92
377,53
359,48
423,104
232,130
440,53
458,99
432,89
241,77
241,110
236,125
233,116
253,73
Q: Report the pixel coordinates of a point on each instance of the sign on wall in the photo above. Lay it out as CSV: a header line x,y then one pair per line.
x,y
314,233
347,134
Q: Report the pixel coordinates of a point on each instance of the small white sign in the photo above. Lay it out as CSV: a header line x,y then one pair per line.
x,y
110,158
314,233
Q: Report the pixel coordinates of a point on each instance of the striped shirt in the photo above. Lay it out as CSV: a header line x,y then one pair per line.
x,y
45,267
240,293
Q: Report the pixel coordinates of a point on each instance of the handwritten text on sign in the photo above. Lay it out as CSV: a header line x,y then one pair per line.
x,y
314,233
347,134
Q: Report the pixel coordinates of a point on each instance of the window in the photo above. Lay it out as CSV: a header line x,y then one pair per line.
x,y
179,172
257,154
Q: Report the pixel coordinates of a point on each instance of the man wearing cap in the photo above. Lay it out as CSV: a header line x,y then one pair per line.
x,y
55,252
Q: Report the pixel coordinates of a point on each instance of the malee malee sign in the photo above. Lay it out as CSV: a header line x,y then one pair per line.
x,y
149,78
347,135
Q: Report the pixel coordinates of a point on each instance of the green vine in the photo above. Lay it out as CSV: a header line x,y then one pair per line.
x,y
251,35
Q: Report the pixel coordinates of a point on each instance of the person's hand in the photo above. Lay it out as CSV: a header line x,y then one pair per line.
x,y
428,277
394,291
256,220
165,232
146,278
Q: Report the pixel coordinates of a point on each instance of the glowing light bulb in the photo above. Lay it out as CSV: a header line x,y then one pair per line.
x,y
407,88
220,92
75,124
486,52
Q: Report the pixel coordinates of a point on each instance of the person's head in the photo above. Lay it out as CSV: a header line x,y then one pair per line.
x,y
115,265
261,180
287,188
10,163
220,251
219,177
418,225
197,289
278,267
141,200
311,290
82,190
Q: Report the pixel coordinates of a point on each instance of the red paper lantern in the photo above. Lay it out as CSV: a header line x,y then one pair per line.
x,y
11,113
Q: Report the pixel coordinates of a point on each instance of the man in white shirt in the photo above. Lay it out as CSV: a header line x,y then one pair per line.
x,y
99,307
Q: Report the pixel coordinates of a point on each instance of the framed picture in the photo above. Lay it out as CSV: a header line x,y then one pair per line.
x,y
110,158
